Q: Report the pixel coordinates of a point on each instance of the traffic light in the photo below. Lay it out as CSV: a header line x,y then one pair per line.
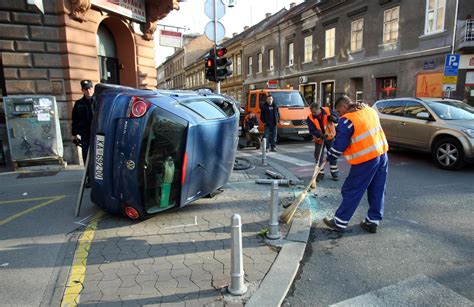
x,y
222,70
216,67
210,68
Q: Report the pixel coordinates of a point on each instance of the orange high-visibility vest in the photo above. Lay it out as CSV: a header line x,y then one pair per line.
x,y
368,140
329,127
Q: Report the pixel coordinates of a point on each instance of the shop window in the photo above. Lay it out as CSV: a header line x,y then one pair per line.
x,y
386,87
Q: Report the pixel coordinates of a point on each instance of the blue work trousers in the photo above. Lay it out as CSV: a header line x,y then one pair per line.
x,y
370,176
270,133
333,163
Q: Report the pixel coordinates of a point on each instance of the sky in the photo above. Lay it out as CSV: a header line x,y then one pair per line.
x,y
192,17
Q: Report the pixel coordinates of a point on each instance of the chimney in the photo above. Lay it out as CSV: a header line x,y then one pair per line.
x,y
234,34
246,28
268,15
292,5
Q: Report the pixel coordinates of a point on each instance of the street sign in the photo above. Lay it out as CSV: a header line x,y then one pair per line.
x,y
450,80
209,30
209,9
449,87
451,65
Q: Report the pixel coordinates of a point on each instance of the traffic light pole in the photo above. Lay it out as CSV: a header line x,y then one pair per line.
x,y
218,84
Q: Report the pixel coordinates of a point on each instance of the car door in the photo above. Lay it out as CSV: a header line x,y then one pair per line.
x,y
415,132
391,115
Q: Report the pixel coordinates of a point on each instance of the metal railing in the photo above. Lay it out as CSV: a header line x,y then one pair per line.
x,y
468,30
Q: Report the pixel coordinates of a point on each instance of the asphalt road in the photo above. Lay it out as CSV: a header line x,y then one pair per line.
x,y
36,223
422,254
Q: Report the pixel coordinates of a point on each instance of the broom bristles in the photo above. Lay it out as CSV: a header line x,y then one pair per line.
x,y
287,215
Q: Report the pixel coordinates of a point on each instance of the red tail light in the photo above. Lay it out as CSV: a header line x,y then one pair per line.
x,y
183,170
131,213
138,107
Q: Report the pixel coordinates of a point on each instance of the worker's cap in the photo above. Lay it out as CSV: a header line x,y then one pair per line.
x,y
85,84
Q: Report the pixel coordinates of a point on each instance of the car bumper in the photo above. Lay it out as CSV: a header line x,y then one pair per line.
x,y
287,132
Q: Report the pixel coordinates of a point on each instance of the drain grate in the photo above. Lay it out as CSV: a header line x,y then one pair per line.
x,y
37,174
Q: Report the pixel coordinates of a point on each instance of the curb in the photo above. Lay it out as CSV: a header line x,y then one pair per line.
x,y
276,284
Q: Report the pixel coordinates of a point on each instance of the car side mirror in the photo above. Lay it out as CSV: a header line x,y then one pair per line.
x,y
423,115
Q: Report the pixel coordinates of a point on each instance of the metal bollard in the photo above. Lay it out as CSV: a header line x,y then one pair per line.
x,y
264,151
274,232
237,285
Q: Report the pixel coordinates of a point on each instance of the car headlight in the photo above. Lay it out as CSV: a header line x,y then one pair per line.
x,y
469,132
285,122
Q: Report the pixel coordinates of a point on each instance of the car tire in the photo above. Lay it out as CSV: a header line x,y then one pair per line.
x,y
448,154
308,138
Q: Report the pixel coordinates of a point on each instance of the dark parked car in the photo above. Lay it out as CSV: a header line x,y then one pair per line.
x,y
443,127
155,150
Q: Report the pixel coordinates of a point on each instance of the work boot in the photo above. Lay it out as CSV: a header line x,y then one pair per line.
x,y
335,176
368,226
332,224
320,177
273,149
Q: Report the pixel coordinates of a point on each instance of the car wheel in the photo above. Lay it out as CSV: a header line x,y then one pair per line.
x,y
308,138
448,154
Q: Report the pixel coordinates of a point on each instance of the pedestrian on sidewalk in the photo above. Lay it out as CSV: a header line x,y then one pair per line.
x,y
269,116
321,122
82,115
361,140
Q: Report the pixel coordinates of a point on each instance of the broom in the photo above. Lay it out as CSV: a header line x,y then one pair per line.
x,y
287,215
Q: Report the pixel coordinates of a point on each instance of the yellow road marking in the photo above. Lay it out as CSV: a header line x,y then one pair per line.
x,y
77,274
26,211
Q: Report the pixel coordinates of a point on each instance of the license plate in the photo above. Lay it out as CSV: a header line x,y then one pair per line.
x,y
303,132
99,157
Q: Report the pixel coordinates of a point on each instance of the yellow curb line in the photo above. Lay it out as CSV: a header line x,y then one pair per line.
x,y
77,274
14,217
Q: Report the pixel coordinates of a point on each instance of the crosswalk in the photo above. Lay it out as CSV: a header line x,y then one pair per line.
x,y
286,155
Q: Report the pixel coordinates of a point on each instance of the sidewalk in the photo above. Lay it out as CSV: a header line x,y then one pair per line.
x,y
182,257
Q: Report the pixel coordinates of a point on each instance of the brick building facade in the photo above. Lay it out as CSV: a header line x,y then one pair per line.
x,y
49,52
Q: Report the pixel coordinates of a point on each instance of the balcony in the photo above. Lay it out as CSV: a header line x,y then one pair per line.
x,y
465,35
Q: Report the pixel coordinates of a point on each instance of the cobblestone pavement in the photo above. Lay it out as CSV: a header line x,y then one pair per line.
x,y
182,257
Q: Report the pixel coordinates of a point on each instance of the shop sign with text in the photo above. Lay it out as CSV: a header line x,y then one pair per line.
x,y
134,9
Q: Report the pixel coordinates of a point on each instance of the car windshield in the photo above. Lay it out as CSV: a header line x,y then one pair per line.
x,y
288,99
452,110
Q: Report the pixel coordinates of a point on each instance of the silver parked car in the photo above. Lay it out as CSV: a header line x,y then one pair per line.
x,y
444,127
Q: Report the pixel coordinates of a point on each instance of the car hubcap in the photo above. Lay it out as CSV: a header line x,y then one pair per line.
x,y
447,154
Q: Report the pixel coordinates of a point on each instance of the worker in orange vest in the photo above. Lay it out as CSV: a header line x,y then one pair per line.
x,y
321,122
361,140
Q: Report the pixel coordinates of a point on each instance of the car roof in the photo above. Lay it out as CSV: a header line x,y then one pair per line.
x,y
424,99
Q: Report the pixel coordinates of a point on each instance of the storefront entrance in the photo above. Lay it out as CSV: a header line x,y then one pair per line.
x,y
327,94
309,92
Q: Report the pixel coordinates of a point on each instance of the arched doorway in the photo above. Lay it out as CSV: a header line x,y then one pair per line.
x,y
107,54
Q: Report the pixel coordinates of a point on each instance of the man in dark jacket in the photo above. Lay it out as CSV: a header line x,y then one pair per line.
x,y
82,115
269,116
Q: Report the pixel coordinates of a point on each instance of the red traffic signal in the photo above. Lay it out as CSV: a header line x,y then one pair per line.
x,y
220,51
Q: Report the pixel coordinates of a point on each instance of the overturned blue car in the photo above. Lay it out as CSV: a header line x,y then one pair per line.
x,y
155,150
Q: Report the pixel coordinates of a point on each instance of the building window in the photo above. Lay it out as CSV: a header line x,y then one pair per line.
x,y
330,42
390,25
357,30
231,66
434,20
308,48
250,65
270,59
260,59
239,65
290,54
